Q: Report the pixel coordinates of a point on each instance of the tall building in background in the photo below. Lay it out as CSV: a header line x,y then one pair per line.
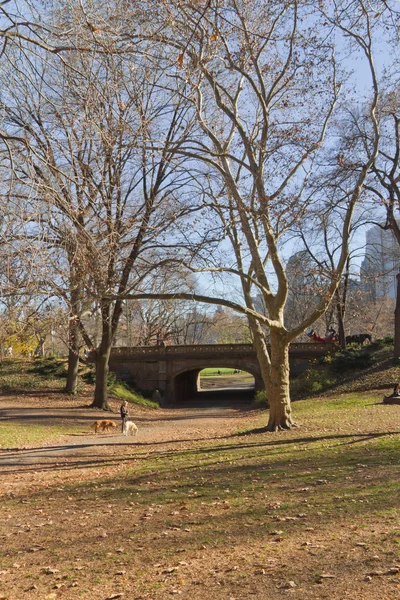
x,y
303,295
381,264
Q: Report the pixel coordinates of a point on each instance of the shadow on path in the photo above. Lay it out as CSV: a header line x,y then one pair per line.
x,y
48,458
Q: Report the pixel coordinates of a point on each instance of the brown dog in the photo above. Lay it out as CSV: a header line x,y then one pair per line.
x,y
103,426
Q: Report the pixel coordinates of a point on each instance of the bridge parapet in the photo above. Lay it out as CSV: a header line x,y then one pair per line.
x,y
187,349
174,370
164,352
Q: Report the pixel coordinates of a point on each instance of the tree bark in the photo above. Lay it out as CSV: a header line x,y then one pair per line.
x,y
102,357
397,321
73,358
71,386
101,387
275,371
278,386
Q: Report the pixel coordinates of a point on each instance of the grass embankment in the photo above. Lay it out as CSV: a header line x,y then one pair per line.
x,y
359,368
43,381
250,515
122,391
27,375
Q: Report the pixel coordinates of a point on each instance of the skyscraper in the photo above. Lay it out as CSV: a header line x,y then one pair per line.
x,y
381,263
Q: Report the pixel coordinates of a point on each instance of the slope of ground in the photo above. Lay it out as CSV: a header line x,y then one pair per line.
x,y
202,504
382,374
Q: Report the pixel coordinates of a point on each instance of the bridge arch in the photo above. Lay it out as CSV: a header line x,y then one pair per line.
x,y
173,369
185,382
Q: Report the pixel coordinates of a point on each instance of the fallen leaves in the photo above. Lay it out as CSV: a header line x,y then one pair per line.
x,y
391,571
50,570
321,576
287,586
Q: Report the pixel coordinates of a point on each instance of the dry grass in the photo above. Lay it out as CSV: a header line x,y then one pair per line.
x,y
203,505
221,514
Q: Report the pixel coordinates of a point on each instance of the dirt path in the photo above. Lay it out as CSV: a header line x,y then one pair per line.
x,y
156,428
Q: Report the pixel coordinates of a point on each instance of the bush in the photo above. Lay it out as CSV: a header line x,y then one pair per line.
x,y
260,399
312,382
326,359
49,367
383,342
352,358
90,377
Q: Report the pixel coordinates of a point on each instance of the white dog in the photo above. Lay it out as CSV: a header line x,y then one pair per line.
x,y
130,428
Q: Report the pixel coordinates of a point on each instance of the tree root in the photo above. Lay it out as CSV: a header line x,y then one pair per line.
x,y
274,427
106,408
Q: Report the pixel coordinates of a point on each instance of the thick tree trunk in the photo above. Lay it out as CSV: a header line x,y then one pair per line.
x,y
275,372
73,358
71,386
397,321
101,387
102,357
278,390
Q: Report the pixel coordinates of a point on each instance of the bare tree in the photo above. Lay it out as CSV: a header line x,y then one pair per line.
x,y
153,322
264,82
382,188
104,198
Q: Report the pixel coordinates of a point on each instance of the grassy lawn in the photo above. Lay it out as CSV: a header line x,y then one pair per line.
x,y
32,375
211,372
26,435
312,513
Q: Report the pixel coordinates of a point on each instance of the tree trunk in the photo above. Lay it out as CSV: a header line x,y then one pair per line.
x,y
397,321
102,357
101,388
71,386
73,358
278,390
341,332
275,372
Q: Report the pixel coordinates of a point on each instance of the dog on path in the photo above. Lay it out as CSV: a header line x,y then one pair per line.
x,y
130,428
103,426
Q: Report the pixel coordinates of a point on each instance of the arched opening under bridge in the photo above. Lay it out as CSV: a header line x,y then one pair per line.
x,y
219,386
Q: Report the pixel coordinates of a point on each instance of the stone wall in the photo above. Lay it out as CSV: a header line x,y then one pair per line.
x,y
174,370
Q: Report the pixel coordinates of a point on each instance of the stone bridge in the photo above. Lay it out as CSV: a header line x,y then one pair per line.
x,y
175,370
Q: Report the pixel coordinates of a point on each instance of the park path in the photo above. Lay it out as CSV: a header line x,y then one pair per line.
x,y
208,417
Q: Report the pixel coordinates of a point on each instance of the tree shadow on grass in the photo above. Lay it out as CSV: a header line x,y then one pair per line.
x,y
29,459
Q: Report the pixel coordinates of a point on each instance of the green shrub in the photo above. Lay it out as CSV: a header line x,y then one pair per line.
x,y
49,367
90,377
260,399
312,382
380,342
326,359
351,358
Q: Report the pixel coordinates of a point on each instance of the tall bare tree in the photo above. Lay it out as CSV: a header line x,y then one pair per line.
x,y
104,196
263,81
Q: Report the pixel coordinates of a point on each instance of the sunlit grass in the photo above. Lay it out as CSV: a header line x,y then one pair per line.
x,y
122,391
215,371
32,374
25,435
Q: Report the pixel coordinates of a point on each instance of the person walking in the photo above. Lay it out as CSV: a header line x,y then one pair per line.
x,y
124,414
